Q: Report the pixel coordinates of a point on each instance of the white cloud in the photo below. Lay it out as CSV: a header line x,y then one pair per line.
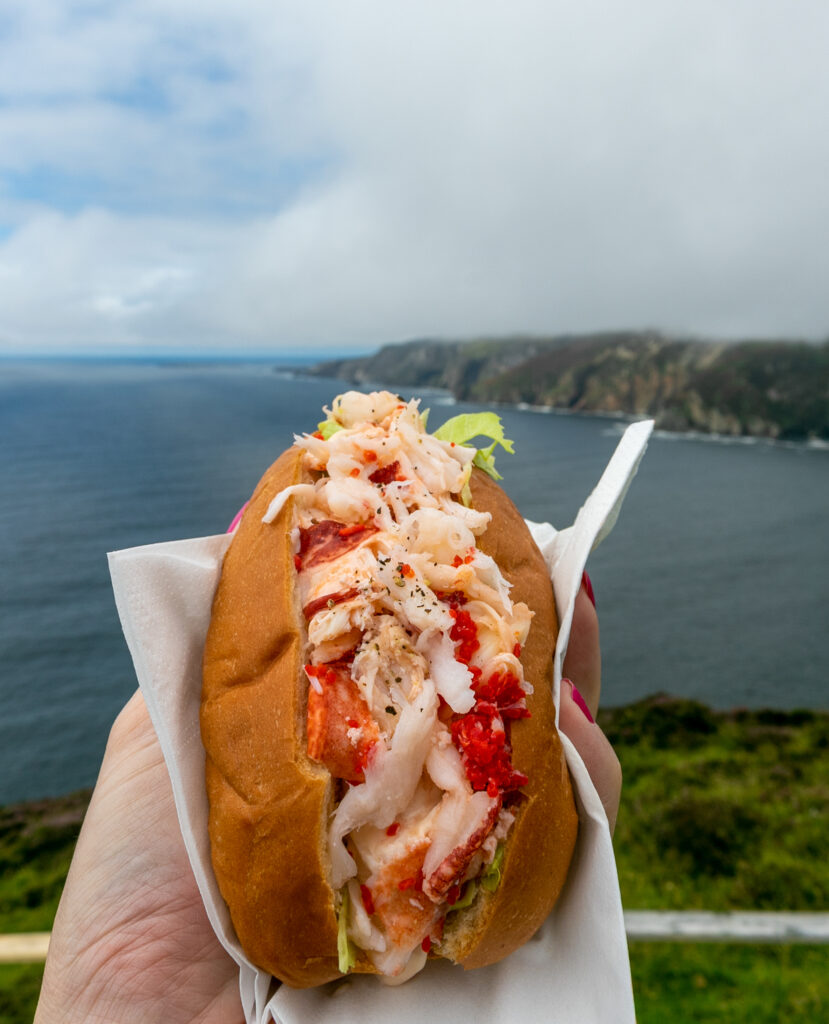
x,y
297,174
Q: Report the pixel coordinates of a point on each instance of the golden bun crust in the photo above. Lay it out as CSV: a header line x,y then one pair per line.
x,y
269,803
266,797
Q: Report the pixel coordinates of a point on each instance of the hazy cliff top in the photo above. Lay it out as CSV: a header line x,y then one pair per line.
x,y
770,388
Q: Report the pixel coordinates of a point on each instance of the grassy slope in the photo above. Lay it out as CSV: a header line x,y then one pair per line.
x,y
723,811
695,984
36,843
719,811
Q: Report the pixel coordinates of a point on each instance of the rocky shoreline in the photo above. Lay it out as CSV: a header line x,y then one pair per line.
x,y
777,390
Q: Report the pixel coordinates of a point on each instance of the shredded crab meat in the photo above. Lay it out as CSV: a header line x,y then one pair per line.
x,y
393,557
390,781
388,670
452,678
428,532
460,831
302,493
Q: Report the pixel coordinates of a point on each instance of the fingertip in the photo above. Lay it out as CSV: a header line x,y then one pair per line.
x,y
581,704
572,719
594,748
588,587
237,518
583,659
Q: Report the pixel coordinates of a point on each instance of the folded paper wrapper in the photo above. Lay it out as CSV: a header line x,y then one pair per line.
x,y
574,970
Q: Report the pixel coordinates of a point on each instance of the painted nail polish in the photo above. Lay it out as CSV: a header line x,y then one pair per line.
x,y
588,587
237,518
578,700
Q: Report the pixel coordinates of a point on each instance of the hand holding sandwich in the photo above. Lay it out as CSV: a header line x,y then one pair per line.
x,y
131,941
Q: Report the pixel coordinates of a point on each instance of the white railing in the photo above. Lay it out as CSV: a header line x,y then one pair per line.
x,y
25,948
729,926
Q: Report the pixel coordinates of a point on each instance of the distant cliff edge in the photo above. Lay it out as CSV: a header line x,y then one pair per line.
x,y
774,389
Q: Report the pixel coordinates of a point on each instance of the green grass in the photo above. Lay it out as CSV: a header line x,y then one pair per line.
x,y
694,984
723,811
36,844
19,989
719,811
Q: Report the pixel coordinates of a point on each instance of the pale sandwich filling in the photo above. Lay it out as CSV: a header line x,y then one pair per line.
x,y
414,814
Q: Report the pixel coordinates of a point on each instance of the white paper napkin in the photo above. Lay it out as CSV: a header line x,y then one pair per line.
x,y
574,971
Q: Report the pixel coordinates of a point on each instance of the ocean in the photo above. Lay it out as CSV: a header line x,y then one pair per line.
x,y
713,584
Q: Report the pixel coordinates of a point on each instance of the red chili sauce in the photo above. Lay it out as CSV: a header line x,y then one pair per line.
x,y
481,735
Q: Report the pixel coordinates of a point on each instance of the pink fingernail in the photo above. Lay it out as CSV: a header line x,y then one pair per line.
x,y
236,518
588,587
578,700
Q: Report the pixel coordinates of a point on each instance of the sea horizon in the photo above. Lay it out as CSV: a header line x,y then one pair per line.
x,y
711,586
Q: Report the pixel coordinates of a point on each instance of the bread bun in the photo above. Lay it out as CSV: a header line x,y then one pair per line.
x,y
271,804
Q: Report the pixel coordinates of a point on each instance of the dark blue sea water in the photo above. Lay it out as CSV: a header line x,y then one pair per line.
x,y
713,584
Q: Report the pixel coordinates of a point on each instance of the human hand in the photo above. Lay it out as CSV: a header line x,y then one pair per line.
x,y
131,940
579,702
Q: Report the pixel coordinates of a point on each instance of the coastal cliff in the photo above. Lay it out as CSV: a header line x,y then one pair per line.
x,y
773,389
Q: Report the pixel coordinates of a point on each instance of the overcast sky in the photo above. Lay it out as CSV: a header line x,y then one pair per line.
x,y
251,174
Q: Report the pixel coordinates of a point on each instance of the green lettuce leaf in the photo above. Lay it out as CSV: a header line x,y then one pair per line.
x,y
491,878
470,891
328,427
345,949
463,428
